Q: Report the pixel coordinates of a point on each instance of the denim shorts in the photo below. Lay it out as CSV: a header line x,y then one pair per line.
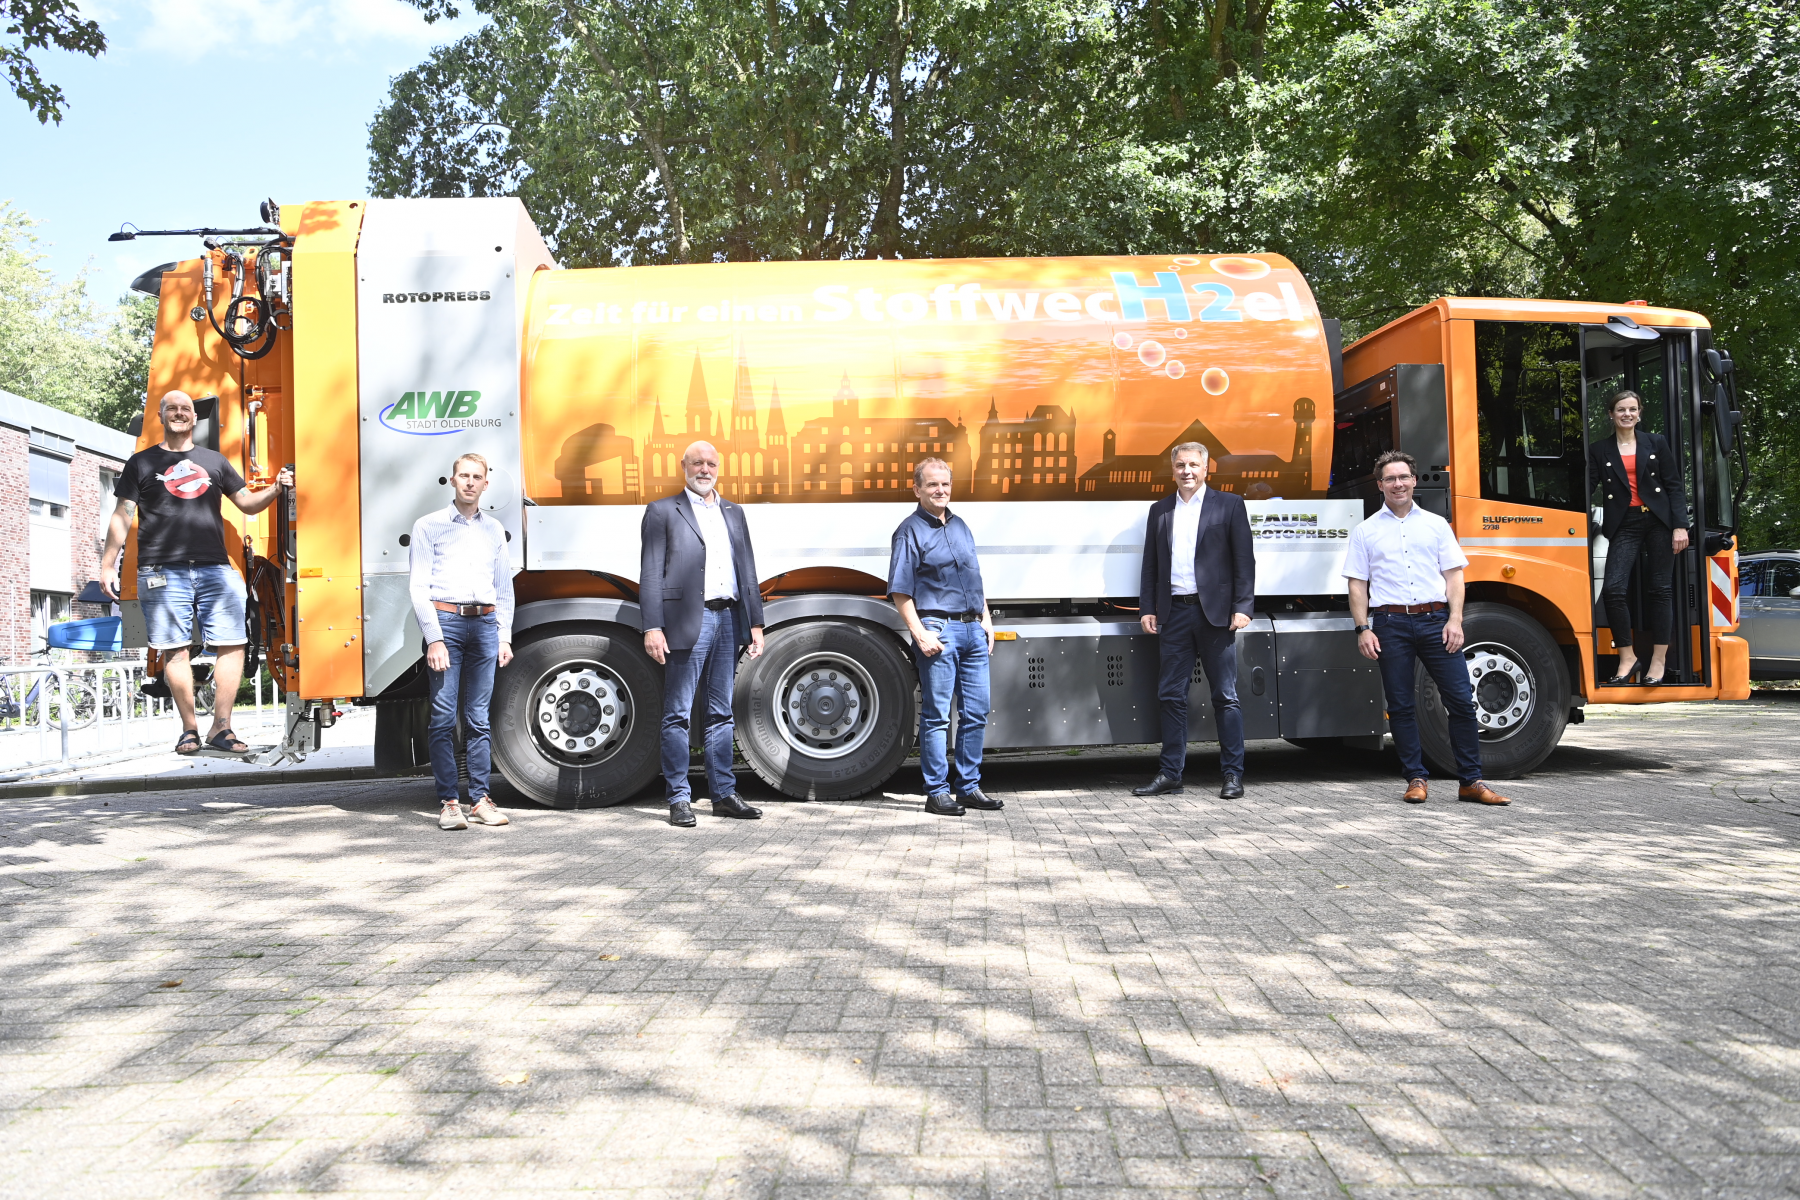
x,y
178,596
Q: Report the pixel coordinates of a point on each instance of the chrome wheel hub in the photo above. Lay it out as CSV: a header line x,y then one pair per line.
x,y
580,713
1505,693
828,706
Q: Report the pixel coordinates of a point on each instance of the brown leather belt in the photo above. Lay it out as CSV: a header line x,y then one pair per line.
x,y
1411,609
463,610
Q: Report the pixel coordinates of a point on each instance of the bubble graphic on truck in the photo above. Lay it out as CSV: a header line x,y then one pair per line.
x,y
1214,380
1239,267
1151,353
1176,369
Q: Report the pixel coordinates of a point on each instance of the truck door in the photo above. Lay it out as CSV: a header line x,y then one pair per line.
x,y
1658,365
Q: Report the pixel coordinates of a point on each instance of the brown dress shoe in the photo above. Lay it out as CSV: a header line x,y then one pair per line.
x,y
1480,793
1415,792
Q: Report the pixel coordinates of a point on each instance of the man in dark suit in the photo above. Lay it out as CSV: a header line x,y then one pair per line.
x,y
1197,590
702,603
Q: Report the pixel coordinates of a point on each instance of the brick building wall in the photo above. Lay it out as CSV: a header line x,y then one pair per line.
x,y
51,507
89,508
15,547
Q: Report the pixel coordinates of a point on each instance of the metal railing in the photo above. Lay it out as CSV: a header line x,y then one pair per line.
x,y
59,716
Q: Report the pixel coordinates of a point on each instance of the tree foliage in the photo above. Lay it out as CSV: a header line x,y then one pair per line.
x,y
27,25
1398,150
57,346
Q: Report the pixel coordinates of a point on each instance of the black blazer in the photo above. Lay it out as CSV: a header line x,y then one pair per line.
x,y
672,578
1224,559
1658,480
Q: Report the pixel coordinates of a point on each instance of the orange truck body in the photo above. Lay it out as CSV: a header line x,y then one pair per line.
x,y
1054,388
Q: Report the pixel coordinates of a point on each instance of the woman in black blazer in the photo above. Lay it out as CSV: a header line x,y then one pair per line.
x,y
1646,508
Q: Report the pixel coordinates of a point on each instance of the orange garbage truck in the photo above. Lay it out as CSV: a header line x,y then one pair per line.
x,y
369,342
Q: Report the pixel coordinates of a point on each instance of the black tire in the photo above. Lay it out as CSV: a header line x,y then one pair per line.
x,y
1522,692
602,698
856,673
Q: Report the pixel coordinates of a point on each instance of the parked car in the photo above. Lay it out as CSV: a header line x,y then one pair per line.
x,y
1769,612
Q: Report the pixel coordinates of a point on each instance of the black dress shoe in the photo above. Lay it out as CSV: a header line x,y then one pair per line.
x,y
944,805
1162,785
1233,789
974,798
734,806
681,814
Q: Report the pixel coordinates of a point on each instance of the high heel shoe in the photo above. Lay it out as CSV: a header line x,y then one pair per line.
x,y
1628,677
1657,682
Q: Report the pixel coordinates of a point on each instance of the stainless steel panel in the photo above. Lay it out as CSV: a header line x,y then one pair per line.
x,y
1328,689
391,633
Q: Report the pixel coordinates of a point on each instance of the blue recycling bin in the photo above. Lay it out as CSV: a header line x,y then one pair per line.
x,y
96,633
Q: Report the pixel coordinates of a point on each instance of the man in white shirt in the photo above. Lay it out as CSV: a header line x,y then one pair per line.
x,y
702,603
1405,566
1196,589
462,595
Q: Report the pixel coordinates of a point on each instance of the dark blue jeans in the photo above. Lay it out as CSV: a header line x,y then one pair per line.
x,y
1407,638
959,671
464,690
710,668
1184,637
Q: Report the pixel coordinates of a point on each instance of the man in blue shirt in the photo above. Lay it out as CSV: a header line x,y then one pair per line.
x,y
934,578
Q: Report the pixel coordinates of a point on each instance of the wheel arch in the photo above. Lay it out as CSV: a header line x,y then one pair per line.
x,y
542,617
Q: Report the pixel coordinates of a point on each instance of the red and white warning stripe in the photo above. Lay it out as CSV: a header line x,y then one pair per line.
x,y
1722,585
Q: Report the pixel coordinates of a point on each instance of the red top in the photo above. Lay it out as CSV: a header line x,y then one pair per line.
x,y
1630,461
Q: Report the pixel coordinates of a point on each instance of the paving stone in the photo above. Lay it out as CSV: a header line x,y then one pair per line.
x,y
1312,991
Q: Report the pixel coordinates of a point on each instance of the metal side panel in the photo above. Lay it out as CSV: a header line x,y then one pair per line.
x,y
391,633
439,291
1328,689
1082,682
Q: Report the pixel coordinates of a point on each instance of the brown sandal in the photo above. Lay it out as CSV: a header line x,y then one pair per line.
x,y
188,743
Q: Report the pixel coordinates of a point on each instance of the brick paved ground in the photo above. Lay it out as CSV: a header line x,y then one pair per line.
x,y
1317,991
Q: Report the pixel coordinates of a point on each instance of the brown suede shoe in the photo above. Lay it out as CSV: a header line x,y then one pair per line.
x,y
1415,791
1480,793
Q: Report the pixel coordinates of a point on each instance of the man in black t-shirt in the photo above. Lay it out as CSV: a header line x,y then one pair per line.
x,y
185,575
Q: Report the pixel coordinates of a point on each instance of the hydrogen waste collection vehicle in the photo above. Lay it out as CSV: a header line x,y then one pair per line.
x,y
369,342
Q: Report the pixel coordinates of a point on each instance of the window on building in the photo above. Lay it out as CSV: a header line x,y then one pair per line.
x,y
47,609
49,485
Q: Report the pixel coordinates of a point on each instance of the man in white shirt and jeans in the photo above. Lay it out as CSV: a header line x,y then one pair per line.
x,y
1404,564
462,595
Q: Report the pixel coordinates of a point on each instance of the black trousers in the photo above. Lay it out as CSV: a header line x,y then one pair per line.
x,y
1186,636
1640,530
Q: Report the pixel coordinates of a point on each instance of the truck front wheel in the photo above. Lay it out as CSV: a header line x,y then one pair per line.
x,y
828,711
1521,685
576,719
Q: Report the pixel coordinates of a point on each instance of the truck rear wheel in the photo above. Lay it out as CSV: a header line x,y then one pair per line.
x,y
1521,686
576,720
828,712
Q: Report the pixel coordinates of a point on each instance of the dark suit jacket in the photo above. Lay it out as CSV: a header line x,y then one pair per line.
x,y
1658,480
672,579
1224,559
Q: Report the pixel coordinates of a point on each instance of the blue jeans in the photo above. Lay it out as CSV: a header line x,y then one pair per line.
x,y
712,665
176,597
1187,635
465,690
959,670
1407,638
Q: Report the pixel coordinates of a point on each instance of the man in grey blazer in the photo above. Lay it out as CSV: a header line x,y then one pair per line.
x,y
701,603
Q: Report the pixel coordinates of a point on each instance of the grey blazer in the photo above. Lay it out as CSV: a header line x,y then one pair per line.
x,y
672,575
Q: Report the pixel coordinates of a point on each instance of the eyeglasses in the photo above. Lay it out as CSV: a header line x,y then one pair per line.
x,y
1398,478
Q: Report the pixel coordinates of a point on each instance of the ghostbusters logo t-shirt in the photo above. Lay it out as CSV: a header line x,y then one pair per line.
x,y
178,495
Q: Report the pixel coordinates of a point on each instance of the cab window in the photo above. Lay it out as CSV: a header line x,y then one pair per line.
x,y
1528,410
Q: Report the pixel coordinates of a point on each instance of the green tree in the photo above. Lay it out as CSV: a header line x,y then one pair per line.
x,y
28,25
56,346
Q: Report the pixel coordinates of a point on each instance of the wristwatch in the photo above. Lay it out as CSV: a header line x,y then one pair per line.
x,y
1362,629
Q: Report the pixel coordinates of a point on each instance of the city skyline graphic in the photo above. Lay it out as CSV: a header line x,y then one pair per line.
x,y
849,456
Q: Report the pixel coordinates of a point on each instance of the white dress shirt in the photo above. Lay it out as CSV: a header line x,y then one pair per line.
x,y
721,575
1184,534
1403,558
462,560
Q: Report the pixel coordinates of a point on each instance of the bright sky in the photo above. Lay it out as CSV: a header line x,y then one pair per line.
x,y
197,111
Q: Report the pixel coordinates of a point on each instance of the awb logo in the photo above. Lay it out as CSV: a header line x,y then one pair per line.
x,y
433,414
